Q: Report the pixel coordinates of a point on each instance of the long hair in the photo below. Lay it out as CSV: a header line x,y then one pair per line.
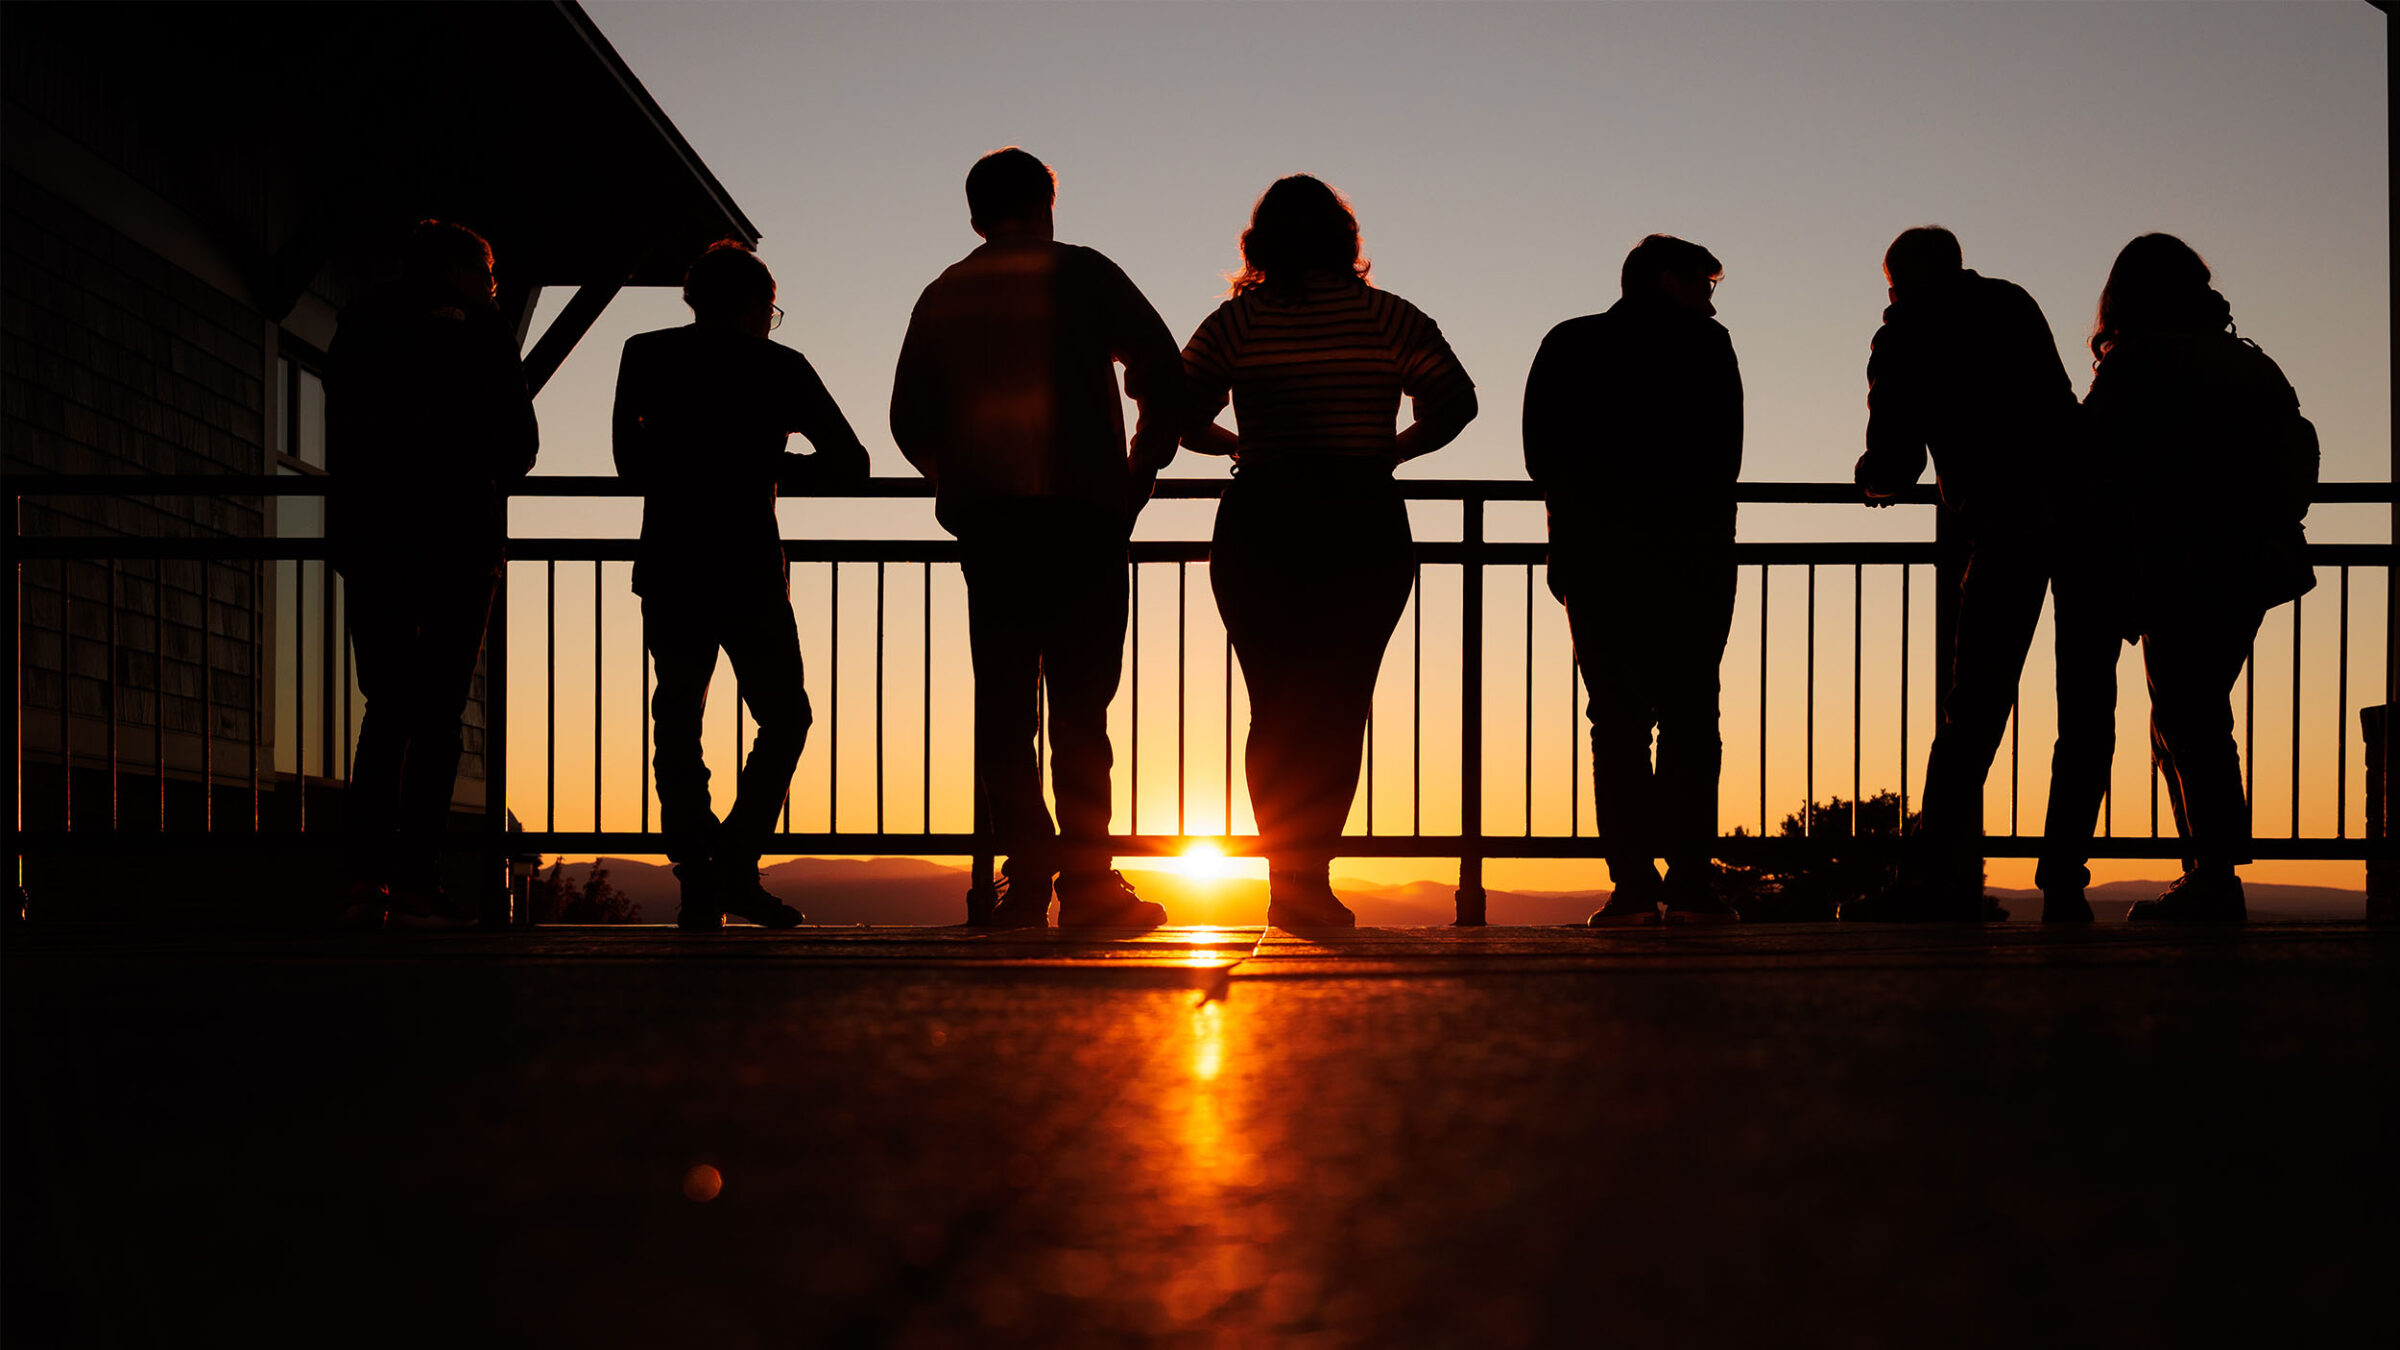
x,y
2157,283
1299,225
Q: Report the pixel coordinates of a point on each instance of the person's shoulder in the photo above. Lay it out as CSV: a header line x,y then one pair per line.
x,y
1581,330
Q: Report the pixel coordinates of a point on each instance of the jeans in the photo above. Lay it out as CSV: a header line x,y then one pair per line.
x,y
1311,579
417,637
1650,622
686,626
1046,595
2192,662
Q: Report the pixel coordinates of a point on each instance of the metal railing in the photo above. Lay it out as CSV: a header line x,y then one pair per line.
x,y
245,777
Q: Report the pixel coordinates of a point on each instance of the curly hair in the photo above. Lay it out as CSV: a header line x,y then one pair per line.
x,y
1299,225
729,272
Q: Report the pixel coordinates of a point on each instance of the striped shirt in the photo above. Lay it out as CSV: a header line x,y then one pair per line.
x,y
1321,374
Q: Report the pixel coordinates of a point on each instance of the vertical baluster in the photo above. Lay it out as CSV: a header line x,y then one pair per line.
x,y
111,692
1858,677
925,748
1808,813
1228,727
1529,700
879,572
208,707
1762,711
1470,867
599,686
1905,569
1183,588
158,697
1133,805
2250,733
2341,717
2296,604
833,702
1574,744
550,704
258,618
1416,732
645,724
66,728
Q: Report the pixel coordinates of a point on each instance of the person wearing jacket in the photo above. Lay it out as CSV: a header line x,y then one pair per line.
x,y
2211,430
1312,561
703,413
427,423
1006,397
1633,429
1965,368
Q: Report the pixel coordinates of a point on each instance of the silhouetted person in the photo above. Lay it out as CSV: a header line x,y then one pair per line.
x,y
703,413
2211,431
1965,366
427,422
1633,428
1312,559
1006,397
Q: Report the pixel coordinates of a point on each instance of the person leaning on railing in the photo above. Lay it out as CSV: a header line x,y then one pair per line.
x,y
1633,429
703,413
1312,561
2211,431
1965,368
427,422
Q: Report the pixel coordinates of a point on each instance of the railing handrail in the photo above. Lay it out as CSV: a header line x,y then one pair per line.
x,y
1747,492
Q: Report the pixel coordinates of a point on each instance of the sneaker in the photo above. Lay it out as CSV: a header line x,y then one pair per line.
x,y
1693,899
2066,905
741,895
2202,895
363,906
1024,902
1104,900
698,911
426,907
1633,902
1305,900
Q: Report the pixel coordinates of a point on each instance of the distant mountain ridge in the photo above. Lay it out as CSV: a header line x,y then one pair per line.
x,y
920,891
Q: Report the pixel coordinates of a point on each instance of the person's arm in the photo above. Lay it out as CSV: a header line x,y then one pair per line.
x,y
1439,391
1895,455
840,460
1547,425
917,397
631,441
1207,387
517,434
1138,339
1722,413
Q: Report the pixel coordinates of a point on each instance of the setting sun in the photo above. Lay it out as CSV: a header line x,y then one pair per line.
x,y
1202,861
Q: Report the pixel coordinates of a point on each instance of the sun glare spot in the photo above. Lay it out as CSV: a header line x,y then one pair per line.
x,y
1205,861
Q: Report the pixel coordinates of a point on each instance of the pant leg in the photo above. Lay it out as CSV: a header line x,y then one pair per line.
x,y
1310,590
2000,603
1691,633
2087,645
449,644
762,640
1082,633
383,636
683,651
1005,647
1611,651
2192,665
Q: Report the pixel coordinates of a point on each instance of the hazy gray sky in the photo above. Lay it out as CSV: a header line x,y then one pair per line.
x,y
1502,158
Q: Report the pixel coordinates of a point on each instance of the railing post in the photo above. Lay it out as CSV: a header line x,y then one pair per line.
x,y
2383,870
16,712
1470,788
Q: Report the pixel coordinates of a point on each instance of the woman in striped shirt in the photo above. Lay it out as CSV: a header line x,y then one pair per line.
x,y
1312,560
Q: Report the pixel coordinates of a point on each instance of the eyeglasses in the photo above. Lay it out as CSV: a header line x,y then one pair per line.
x,y
774,317
1712,285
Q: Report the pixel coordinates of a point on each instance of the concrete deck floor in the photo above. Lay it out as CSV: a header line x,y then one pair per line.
x,y
1817,1135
